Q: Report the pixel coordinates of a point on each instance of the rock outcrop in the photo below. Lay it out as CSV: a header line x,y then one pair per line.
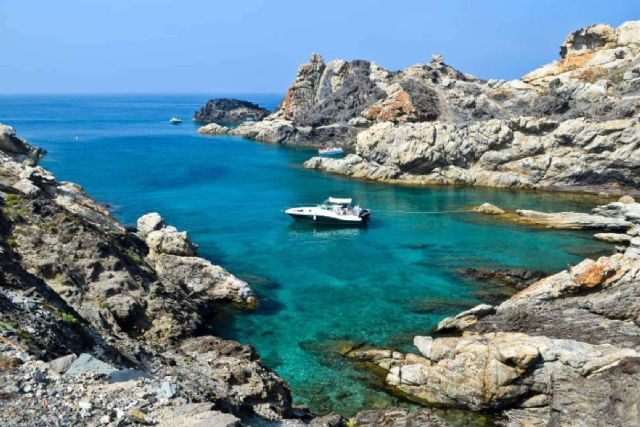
x,y
572,124
137,306
540,379
229,111
566,347
527,152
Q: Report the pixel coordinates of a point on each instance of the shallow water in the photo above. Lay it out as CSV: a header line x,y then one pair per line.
x,y
320,287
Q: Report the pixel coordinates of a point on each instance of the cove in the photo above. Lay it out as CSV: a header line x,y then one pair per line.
x,y
322,289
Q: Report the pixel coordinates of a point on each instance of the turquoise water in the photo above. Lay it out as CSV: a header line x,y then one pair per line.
x,y
319,287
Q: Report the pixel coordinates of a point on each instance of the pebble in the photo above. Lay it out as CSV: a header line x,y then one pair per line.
x,y
167,390
85,405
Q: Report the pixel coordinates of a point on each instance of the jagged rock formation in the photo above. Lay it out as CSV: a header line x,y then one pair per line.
x,y
571,124
229,111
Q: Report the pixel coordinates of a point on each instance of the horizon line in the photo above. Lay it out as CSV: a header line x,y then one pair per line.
x,y
142,93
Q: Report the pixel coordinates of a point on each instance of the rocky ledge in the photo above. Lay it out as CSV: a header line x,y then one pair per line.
x,y
564,348
230,111
572,124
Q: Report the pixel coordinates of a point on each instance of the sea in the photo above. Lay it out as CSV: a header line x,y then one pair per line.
x,y
322,290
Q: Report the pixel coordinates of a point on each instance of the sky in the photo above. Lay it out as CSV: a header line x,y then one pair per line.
x,y
254,46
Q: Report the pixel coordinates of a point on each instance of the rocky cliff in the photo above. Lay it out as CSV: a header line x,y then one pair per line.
x,y
229,111
571,124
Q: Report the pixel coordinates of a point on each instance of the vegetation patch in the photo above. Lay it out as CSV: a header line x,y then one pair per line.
x,y
48,226
7,327
12,209
65,317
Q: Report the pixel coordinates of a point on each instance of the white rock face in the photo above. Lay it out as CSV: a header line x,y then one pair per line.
x,y
27,187
523,153
572,220
511,370
73,198
213,129
170,241
173,257
613,237
148,223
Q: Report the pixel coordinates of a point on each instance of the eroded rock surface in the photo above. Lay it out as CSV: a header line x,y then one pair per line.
x,y
550,379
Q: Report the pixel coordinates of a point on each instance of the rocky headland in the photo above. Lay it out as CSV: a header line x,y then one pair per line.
x,y
569,125
230,111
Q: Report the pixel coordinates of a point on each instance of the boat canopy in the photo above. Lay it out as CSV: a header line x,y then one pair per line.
x,y
339,201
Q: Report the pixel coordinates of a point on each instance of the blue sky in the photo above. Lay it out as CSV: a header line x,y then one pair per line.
x,y
198,46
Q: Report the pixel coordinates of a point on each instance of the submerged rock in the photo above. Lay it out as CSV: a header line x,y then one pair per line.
x,y
397,417
515,278
488,209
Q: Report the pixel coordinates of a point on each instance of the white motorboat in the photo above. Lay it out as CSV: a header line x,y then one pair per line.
x,y
334,211
175,120
331,151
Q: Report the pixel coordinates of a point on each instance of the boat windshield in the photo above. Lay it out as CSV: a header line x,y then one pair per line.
x,y
341,206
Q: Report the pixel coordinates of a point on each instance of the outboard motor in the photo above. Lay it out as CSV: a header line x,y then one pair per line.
x,y
365,214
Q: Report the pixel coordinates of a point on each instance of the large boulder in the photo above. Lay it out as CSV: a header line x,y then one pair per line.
x,y
148,223
231,375
168,240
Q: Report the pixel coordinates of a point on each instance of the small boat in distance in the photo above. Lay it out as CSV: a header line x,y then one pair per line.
x,y
333,211
331,151
175,120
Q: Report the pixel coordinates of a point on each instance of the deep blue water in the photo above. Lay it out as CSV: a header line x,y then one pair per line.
x,y
381,285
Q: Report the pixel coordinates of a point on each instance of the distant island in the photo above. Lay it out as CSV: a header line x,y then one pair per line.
x,y
230,111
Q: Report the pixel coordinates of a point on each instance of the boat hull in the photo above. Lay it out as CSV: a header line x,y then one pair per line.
x,y
354,221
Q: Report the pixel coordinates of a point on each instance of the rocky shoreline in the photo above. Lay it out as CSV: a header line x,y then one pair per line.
x,y
102,324
131,304
565,347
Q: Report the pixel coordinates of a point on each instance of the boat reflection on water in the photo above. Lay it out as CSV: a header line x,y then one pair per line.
x,y
324,230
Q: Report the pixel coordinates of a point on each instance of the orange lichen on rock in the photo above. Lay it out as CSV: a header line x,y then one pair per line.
x,y
594,276
590,74
398,108
572,62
